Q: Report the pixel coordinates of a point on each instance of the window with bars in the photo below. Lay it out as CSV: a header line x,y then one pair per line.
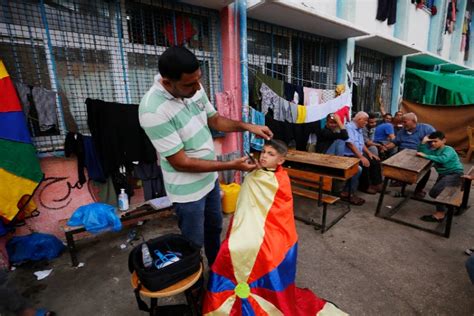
x,y
372,78
291,56
103,49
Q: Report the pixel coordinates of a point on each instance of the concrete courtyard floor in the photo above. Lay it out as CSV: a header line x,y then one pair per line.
x,y
364,264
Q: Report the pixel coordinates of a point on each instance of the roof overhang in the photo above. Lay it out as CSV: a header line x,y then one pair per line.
x,y
211,4
303,17
387,45
432,60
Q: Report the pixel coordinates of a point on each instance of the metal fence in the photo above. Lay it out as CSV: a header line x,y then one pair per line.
x,y
291,56
106,50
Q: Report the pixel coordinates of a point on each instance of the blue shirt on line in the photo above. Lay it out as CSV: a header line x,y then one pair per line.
x,y
355,137
411,140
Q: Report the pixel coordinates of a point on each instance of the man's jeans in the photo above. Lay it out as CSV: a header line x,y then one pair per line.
x,y
337,148
201,222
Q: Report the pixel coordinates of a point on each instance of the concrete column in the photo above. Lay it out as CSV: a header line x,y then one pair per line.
x,y
231,79
437,26
398,81
400,30
456,38
345,62
345,9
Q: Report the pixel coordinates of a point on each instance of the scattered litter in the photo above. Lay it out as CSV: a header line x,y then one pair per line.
x,y
389,206
40,275
13,268
81,264
123,246
140,223
116,279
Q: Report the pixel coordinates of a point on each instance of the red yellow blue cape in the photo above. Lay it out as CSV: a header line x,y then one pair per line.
x,y
254,273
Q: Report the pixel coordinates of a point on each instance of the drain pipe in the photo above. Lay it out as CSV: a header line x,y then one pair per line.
x,y
242,11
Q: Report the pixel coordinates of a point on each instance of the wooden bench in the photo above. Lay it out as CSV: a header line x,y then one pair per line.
x,y
452,198
316,187
139,213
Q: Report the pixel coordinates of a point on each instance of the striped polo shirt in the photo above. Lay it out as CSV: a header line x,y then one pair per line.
x,y
173,124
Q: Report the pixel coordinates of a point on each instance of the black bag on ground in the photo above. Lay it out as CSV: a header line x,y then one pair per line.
x,y
155,279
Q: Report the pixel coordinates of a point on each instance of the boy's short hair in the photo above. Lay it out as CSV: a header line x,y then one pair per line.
x,y
437,135
278,145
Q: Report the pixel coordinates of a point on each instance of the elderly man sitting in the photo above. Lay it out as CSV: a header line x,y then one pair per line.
x,y
355,147
410,137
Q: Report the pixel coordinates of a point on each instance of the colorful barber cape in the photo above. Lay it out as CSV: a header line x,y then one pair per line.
x,y
20,171
254,273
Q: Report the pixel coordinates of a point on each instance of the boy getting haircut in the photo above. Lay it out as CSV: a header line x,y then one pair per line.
x,y
278,145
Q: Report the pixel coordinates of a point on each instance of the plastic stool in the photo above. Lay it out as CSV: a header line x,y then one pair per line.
x,y
179,287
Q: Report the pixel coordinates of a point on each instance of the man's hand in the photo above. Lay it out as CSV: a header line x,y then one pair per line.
x,y
261,131
372,156
365,162
421,154
243,164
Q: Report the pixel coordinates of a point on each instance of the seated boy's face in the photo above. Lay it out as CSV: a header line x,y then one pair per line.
x,y
270,158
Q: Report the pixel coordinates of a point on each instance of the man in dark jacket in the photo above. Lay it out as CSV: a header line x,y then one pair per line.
x,y
332,138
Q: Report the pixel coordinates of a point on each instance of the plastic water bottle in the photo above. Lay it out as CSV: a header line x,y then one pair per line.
x,y
147,259
123,200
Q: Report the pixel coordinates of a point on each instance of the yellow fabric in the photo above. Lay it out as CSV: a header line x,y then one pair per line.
x,y
3,70
301,118
267,306
12,189
330,310
224,309
249,220
340,88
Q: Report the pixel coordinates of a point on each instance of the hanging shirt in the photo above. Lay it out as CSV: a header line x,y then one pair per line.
x,y
312,96
256,118
301,118
45,104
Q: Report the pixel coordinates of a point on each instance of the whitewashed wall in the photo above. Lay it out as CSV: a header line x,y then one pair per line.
x,y
418,27
364,17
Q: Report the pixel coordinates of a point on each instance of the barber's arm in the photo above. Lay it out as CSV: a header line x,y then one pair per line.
x,y
182,162
223,124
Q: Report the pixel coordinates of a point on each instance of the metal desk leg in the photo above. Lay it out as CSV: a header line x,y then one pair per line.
x,y
382,194
153,306
465,196
72,248
449,221
323,224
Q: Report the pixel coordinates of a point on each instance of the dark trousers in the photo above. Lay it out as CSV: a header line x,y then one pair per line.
x,y
371,175
443,181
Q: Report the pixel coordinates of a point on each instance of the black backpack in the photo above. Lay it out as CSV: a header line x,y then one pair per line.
x,y
155,279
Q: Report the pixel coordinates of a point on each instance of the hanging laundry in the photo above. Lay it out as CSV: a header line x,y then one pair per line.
x,y
179,31
24,94
312,96
117,134
270,100
450,17
225,104
274,84
152,179
291,91
92,161
257,118
74,144
343,114
387,9
327,95
301,118
19,166
45,104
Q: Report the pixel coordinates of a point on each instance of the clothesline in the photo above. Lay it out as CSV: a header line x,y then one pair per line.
x,y
257,69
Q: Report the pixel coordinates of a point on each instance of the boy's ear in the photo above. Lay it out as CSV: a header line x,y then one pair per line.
x,y
281,161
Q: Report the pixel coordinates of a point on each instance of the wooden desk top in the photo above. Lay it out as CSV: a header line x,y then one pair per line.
x,y
329,165
407,160
405,166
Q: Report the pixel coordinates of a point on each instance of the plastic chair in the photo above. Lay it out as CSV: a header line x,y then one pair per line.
x,y
470,151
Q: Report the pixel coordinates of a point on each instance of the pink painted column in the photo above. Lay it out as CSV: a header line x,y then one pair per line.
x,y
231,74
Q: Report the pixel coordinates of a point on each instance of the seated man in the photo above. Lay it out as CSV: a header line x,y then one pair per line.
x,y
447,164
369,132
355,147
254,272
384,133
409,138
332,138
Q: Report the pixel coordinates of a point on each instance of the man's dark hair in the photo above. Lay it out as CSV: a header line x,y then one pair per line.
x,y
278,145
437,135
372,115
387,114
175,61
